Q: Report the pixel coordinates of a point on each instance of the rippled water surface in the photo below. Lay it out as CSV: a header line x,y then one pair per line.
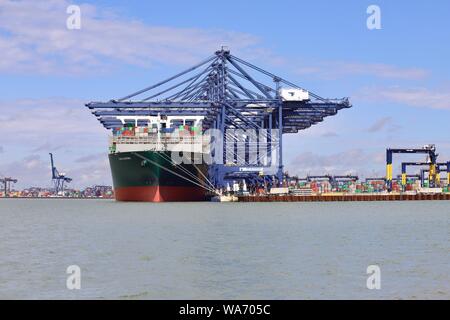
x,y
224,250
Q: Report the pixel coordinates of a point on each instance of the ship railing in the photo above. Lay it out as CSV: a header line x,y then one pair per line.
x,y
153,140
185,144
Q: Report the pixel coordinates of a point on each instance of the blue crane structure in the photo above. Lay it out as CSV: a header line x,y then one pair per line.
x,y
423,172
429,150
439,167
379,179
297,179
7,181
349,177
327,177
337,179
58,179
409,176
234,96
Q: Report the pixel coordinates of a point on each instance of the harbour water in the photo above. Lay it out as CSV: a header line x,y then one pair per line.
x,y
224,250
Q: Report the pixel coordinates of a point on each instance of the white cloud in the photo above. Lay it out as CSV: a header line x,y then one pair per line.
x,y
47,146
384,123
30,171
34,170
380,124
352,161
31,128
34,38
32,162
338,69
92,157
419,97
51,122
329,134
93,172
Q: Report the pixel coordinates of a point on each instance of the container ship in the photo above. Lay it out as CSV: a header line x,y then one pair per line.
x,y
159,159
244,115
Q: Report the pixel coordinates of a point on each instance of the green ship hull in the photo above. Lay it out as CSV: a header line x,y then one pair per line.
x,y
153,177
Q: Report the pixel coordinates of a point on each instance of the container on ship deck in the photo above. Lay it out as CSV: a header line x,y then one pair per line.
x,y
128,133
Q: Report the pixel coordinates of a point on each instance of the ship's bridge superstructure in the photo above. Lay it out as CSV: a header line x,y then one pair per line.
x,y
247,110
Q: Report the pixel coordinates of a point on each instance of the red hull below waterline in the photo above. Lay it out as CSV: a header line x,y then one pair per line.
x,y
160,193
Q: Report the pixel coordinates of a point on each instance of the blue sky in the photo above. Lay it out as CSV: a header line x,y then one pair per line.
x,y
397,78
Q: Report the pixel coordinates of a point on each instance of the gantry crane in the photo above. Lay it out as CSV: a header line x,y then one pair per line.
x,y
439,167
380,179
235,97
59,179
297,179
327,177
7,185
336,179
333,180
429,150
409,176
